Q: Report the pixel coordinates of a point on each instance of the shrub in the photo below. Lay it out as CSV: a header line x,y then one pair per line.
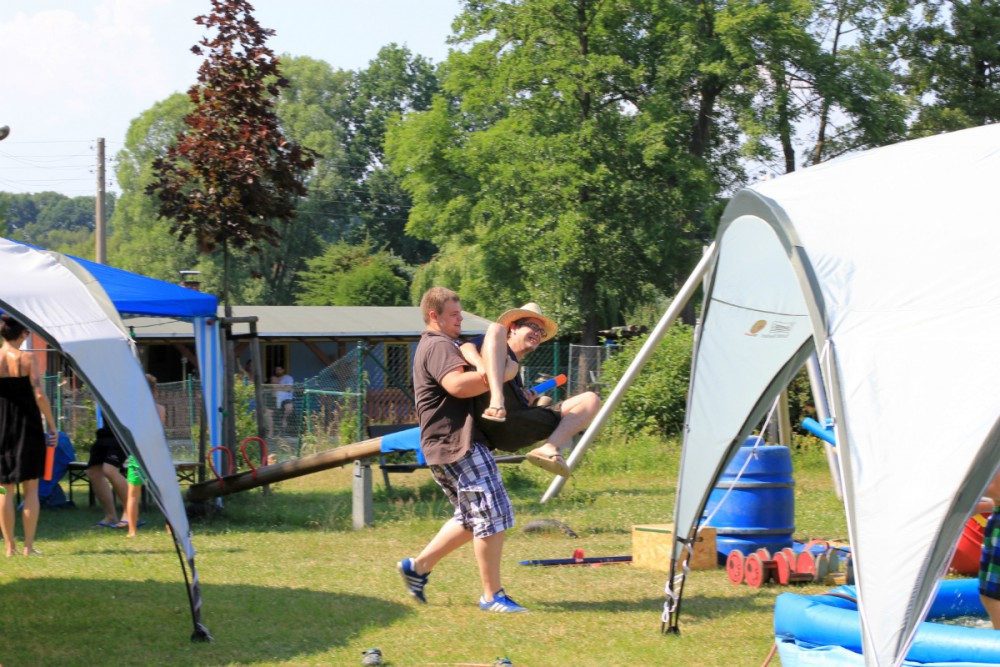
x,y
658,396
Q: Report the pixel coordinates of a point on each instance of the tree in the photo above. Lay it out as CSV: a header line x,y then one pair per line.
x,y
830,86
394,84
561,159
140,240
232,172
954,63
349,275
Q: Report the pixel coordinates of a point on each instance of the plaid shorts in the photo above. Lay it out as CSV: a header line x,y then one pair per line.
x,y
989,564
474,487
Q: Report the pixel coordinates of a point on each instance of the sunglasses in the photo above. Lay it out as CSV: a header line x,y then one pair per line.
x,y
531,325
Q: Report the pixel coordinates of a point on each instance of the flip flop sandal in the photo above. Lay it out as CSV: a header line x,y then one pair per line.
x,y
553,463
495,409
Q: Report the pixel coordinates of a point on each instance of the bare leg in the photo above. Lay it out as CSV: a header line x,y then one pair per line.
x,y
577,413
993,609
132,508
7,518
488,552
118,482
494,354
29,515
99,483
100,476
451,536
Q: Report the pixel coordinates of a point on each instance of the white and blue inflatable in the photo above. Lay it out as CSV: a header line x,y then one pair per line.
x,y
825,630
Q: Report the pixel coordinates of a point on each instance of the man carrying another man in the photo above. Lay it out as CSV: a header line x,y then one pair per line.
x,y
511,416
454,445
458,456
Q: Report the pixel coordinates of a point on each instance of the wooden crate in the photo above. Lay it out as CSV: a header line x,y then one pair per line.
x,y
651,544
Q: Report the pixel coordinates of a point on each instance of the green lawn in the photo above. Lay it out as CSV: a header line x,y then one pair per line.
x,y
287,582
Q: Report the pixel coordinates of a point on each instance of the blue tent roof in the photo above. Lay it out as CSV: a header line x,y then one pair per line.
x,y
134,294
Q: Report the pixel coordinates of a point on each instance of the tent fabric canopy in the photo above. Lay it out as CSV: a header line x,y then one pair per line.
x,y
136,295
56,298
882,263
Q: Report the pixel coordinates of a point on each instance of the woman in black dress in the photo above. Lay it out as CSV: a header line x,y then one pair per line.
x,y
22,434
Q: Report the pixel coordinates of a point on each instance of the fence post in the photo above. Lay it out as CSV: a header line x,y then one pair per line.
x,y
361,496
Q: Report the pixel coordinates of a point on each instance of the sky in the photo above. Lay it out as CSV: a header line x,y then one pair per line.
x,y
74,71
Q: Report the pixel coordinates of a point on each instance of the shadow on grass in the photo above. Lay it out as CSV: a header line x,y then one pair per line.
x,y
80,622
694,607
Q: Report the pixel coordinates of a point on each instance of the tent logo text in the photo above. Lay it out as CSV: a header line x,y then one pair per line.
x,y
775,330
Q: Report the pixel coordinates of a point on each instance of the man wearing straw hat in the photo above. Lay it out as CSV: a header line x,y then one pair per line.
x,y
509,414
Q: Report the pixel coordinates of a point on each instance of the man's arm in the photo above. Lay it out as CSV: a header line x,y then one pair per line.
x,y
461,383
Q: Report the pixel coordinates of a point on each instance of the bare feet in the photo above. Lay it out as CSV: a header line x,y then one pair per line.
x,y
32,552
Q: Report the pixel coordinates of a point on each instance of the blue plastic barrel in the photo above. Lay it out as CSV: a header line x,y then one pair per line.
x,y
759,512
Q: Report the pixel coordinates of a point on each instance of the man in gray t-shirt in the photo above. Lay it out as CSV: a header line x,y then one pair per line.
x,y
460,462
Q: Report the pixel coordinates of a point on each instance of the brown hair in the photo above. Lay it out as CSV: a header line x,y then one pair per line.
x,y
11,329
435,299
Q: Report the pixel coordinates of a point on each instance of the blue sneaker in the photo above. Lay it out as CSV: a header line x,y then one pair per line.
x,y
414,582
500,603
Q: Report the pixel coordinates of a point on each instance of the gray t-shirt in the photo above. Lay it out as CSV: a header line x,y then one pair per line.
x,y
447,429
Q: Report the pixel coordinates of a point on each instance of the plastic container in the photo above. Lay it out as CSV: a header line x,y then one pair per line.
x,y
970,546
759,511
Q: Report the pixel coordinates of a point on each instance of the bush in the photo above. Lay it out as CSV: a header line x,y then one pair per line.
x,y
657,398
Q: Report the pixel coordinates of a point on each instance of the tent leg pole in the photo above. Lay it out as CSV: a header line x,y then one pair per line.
x,y
823,412
677,305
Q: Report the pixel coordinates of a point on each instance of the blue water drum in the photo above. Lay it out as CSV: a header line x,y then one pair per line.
x,y
759,511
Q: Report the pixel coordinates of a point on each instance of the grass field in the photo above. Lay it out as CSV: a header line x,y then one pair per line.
x,y
287,582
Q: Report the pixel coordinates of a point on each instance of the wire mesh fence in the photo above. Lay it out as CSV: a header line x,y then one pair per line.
x,y
584,369
76,411
370,385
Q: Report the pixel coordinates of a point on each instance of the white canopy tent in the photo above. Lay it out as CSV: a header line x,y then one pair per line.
x,y
64,304
884,263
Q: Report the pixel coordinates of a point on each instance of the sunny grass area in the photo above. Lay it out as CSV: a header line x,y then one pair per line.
x,y
287,582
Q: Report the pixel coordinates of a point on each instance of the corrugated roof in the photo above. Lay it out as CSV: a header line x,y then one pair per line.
x,y
312,322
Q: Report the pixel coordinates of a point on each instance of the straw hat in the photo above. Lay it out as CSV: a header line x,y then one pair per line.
x,y
532,310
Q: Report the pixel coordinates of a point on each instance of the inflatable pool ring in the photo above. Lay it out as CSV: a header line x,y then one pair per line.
x,y
822,630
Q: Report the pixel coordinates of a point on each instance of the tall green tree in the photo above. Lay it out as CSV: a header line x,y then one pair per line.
x,y
354,275
560,160
140,240
232,174
396,82
953,53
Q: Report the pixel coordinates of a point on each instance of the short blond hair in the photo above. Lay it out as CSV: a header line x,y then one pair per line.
x,y
435,300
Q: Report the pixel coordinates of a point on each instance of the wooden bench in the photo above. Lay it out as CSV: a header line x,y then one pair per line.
x,y
76,473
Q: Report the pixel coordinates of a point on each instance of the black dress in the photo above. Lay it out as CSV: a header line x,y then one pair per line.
x,y
22,437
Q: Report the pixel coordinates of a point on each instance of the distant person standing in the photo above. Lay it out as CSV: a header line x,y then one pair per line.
x,y
284,400
23,436
136,476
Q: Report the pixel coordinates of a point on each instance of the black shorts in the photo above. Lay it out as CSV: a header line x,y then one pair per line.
x,y
524,426
106,449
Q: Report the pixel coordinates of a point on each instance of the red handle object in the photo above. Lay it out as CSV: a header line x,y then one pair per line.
x,y
50,457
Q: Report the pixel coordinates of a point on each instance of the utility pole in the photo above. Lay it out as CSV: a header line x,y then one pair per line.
x,y
101,252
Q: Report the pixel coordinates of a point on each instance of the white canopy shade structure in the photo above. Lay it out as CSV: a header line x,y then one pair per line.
x,y
884,264
57,299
